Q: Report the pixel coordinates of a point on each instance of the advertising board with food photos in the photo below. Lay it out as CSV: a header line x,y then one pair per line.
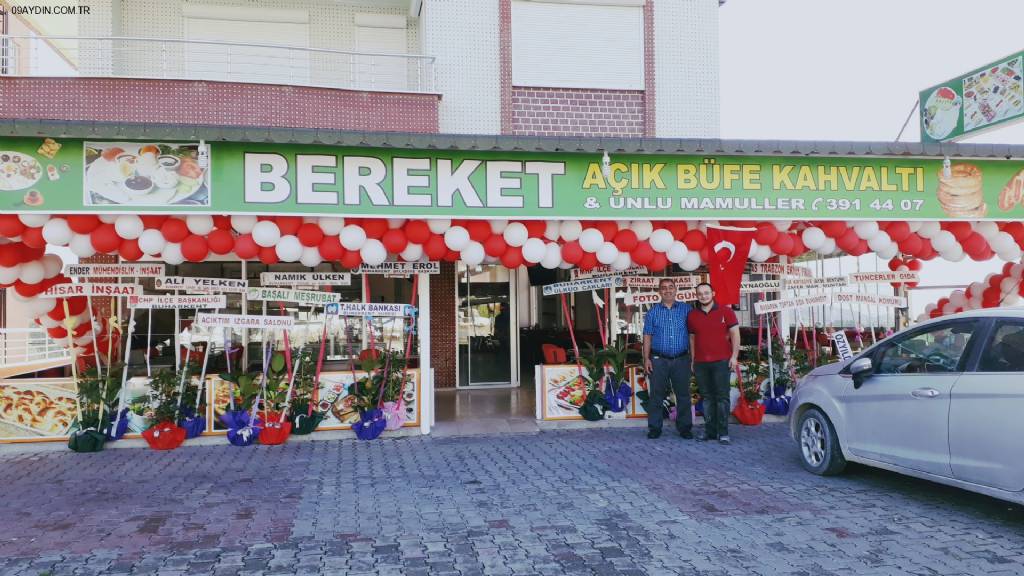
x,y
563,391
982,99
53,175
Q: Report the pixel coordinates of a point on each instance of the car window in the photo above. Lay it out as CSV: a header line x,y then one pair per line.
x,y
936,350
1005,350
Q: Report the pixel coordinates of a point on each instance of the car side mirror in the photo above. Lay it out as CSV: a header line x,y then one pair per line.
x,y
860,369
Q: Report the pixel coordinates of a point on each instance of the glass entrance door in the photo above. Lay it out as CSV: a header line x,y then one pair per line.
x,y
485,323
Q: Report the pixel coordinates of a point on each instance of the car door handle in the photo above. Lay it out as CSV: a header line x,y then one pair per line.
x,y
925,393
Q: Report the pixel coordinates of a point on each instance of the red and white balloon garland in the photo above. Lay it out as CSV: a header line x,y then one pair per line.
x,y
546,243
999,289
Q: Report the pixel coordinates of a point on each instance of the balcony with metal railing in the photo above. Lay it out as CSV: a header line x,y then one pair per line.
x,y
163,80
26,350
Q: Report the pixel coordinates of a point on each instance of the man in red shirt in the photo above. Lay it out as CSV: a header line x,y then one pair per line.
x,y
715,342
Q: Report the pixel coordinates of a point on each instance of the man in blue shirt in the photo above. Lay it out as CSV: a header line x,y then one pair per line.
x,y
667,360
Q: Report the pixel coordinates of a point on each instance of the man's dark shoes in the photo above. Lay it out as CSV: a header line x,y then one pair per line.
x,y
687,435
652,434
703,437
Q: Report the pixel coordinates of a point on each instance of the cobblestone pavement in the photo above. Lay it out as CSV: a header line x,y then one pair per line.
x,y
601,501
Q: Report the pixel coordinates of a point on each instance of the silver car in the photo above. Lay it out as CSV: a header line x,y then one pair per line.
x,y
942,400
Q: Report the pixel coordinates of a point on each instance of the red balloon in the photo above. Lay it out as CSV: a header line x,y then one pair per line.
x,y
331,248
607,229
394,240
677,228
105,239
222,222
897,231
351,260
935,313
588,261
833,229
154,222
961,230
33,237
694,240
1015,229
27,290
848,241
658,263
10,226
174,230
572,252
374,227
221,241
310,234
914,265
895,263
129,250
995,280
11,255
513,257
76,305
798,246
268,255
246,248
479,230
288,225
783,244
57,333
535,228
417,231
82,223
194,248
911,245
1006,268
434,247
495,246
642,254
766,234
985,254
625,240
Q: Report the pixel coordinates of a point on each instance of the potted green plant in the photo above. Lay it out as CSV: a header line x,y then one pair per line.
x,y
305,416
164,400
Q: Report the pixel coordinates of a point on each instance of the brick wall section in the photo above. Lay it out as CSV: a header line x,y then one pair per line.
x,y
650,102
577,112
443,343
219,103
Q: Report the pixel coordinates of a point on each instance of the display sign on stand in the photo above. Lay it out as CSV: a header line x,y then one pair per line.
x,y
309,297
368,309
131,270
873,299
399,268
584,285
842,345
68,290
884,277
654,297
772,269
305,279
768,306
605,270
187,301
207,320
201,284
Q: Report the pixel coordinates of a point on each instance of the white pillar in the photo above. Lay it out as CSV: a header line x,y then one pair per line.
x,y
426,388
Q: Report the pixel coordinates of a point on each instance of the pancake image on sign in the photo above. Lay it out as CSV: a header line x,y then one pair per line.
x,y
960,193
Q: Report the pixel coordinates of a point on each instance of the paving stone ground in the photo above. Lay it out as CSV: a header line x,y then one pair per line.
x,y
601,502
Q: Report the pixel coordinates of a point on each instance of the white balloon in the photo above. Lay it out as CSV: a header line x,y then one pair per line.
x,y
915,225
412,252
987,229
813,238
591,240
1011,299
1000,241
352,237
944,240
515,234
34,220
866,229
930,307
10,276
566,265
438,225
498,226
691,262
948,308
763,253
552,256
879,241
457,238
607,253
129,226
533,250
266,233
311,256
488,259
1010,254
172,254
570,230
1006,285
1017,270
829,246
642,229
753,249
677,252
81,246
622,261
958,298
921,318
394,223
889,251
977,288
661,240
56,232
954,254
199,224
373,252
472,254
330,225
107,218
32,272
782,225
243,224
52,265
39,306
152,242
552,229
288,248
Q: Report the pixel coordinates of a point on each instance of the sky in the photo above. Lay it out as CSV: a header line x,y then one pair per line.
x,y
831,70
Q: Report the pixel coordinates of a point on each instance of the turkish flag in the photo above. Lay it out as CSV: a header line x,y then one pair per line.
x,y
727,258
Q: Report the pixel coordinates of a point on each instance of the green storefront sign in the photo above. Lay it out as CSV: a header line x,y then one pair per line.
x,y
974,102
72,176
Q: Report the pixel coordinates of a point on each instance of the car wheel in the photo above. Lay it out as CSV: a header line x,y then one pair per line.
x,y
819,446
